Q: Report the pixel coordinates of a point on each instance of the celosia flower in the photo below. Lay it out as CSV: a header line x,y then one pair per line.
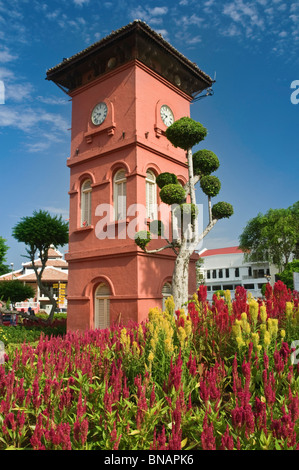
x,y
253,310
263,313
181,335
151,356
267,338
227,441
240,342
208,441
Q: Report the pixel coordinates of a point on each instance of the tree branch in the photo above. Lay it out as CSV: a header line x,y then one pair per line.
x,y
157,250
196,179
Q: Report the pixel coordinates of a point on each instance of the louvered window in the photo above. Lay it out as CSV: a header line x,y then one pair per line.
x,y
101,314
120,195
86,203
151,195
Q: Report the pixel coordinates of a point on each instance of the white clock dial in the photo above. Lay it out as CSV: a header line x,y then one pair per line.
x,y
166,115
99,114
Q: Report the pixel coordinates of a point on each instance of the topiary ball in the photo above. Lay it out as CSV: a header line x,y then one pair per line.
x,y
172,194
156,227
210,185
222,210
205,162
142,238
185,133
166,178
186,209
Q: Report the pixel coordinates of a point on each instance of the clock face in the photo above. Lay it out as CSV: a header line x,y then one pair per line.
x,y
166,115
99,114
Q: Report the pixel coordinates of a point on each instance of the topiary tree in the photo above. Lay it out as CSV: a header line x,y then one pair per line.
x,y
186,133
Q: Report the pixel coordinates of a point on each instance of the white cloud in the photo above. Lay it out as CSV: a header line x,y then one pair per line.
x,y
80,3
149,15
6,56
57,211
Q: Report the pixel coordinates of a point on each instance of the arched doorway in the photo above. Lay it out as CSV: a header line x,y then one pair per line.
x,y
101,307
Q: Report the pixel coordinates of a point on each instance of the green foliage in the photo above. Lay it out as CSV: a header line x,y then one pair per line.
x,y
142,238
29,332
40,231
222,210
172,194
185,133
286,276
16,291
3,250
156,227
166,178
186,209
210,185
272,237
205,162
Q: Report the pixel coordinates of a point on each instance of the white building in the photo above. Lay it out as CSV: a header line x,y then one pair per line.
x,y
225,269
55,277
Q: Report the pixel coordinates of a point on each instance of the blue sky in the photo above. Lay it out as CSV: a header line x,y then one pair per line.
x,y
251,46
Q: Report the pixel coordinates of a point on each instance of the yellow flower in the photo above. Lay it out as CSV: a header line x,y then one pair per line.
x,y
125,339
181,335
240,341
236,330
244,323
272,326
136,349
151,356
168,346
282,333
289,309
253,310
169,305
267,338
255,339
227,295
263,313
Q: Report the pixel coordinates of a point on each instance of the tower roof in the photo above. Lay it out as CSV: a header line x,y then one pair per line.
x,y
136,41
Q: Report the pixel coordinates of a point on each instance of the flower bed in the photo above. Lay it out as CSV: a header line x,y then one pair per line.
x,y
220,377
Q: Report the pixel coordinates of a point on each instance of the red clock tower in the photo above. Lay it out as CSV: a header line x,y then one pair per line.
x,y
125,90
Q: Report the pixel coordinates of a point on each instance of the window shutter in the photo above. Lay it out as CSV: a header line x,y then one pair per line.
x,y
86,203
120,195
102,307
151,196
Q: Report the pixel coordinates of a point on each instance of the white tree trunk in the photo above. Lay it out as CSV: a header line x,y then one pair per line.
x,y
180,279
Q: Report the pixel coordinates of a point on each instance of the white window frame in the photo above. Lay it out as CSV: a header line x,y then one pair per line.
x,y
120,194
86,203
151,195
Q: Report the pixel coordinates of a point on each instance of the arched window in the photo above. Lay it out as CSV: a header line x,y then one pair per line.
x,y
166,292
151,195
101,307
86,203
120,195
